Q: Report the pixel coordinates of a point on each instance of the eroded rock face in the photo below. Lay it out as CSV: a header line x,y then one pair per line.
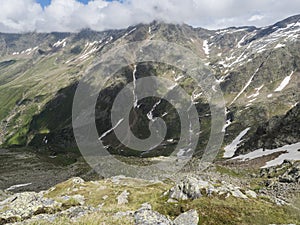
x,y
275,133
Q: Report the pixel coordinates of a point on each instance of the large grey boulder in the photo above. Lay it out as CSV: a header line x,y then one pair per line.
x,y
189,188
188,218
148,217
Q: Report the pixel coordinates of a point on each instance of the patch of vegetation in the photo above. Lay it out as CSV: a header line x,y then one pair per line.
x,y
212,210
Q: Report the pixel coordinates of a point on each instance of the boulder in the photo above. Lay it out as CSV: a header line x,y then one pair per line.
x,y
251,194
190,217
189,188
238,194
77,180
123,198
149,217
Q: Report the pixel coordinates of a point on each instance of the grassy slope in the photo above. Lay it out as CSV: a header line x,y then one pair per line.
x,y
212,210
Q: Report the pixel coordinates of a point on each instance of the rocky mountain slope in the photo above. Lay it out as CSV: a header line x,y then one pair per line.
x,y
217,196
257,69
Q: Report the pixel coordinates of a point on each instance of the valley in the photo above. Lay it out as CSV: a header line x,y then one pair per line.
x,y
253,178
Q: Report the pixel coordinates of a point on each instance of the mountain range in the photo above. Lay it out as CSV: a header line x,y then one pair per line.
x,y
257,69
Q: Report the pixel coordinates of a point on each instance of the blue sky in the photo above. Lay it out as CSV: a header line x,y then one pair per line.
x,y
47,2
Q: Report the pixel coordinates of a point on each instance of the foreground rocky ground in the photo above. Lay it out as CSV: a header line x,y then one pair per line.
x,y
219,195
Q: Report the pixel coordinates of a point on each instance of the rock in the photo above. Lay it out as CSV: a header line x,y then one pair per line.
x,y
124,214
170,200
251,194
193,188
292,175
188,218
77,212
117,179
77,180
146,205
3,195
279,202
100,206
123,198
238,194
189,188
287,172
77,198
24,205
149,217
73,213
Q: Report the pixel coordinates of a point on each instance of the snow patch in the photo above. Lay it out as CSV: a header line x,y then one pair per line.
x,y
60,43
135,98
284,83
291,153
253,100
178,78
231,148
17,186
244,88
126,34
110,130
150,114
227,124
206,47
279,45
256,93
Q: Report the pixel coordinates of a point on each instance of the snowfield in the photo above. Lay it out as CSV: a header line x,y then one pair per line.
x,y
290,152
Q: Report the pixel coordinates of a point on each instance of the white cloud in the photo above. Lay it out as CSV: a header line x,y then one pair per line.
x,y
255,18
70,15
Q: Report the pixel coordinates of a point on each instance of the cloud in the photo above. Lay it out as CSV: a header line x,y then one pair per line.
x,y
71,15
255,18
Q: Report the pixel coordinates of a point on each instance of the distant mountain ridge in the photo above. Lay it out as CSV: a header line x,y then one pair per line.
x,y
257,69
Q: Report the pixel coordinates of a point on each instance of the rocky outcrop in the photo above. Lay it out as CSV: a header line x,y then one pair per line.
x,y
73,213
146,216
277,132
32,206
25,205
150,217
287,172
193,188
292,175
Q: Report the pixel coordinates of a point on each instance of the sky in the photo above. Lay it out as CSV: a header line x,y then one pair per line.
x,y
73,15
